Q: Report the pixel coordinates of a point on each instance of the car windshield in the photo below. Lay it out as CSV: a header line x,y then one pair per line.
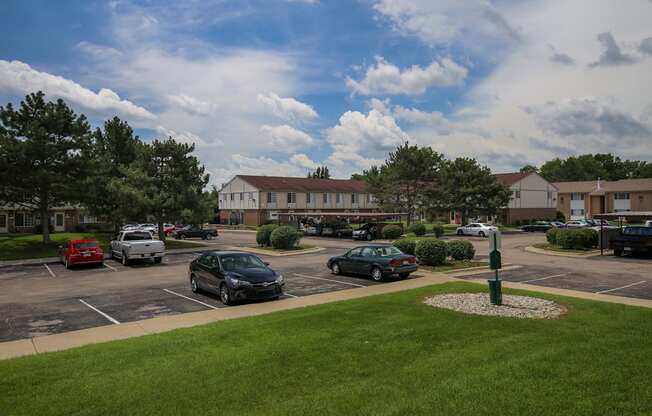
x,y
387,251
137,236
646,231
230,263
85,244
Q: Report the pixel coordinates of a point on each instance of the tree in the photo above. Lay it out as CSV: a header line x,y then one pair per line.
x,y
590,167
471,189
529,168
320,173
205,209
43,145
113,150
165,180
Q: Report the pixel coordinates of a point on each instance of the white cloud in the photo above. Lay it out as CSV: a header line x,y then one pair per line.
x,y
386,78
190,104
286,138
98,51
19,78
286,108
304,161
189,138
239,164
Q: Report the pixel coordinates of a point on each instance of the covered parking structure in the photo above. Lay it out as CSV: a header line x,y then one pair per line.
x,y
627,216
349,217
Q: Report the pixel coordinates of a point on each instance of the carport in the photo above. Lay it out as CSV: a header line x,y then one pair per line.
x,y
628,216
351,216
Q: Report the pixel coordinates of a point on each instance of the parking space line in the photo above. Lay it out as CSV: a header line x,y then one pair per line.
x,y
622,287
115,321
290,295
544,278
191,299
110,267
49,270
328,280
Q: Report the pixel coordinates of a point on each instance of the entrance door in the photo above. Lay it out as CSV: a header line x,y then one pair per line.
x,y
58,222
3,224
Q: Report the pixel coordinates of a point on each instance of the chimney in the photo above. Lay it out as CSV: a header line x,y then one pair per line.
x,y
598,183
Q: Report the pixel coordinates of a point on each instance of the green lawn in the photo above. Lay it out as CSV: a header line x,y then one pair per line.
x,y
30,246
382,355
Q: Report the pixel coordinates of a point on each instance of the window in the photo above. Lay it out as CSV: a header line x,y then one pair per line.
x,y
354,252
325,198
338,198
24,219
577,212
308,198
231,197
549,194
621,195
368,252
241,196
3,221
354,198
271,197
370,198
577,196
517,194
292,198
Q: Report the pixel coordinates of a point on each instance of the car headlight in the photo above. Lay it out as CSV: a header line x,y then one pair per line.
x,y
236,283
280,279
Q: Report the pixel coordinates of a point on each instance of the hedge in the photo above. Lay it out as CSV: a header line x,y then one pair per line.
x,y
407,245
264,233
551,236
284,237
438,230
431,252
392,232
417,228
461,250
577,239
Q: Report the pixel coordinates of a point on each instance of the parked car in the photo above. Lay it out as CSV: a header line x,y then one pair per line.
x,y
557,224
537,226
129,227
377,261
168,229
369,231
476,228
235,276
633,240
311,230
85,251
133,245
152,228
648,223
577,224
338,230
191,231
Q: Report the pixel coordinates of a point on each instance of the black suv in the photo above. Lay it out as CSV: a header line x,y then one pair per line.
x,y
192,231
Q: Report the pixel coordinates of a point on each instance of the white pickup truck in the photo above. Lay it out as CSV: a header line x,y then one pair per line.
x,y
134,245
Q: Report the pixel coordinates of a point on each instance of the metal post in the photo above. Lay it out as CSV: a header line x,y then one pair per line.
x,y
601,237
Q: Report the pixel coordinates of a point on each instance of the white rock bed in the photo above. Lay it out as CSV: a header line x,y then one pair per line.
x,y
513,306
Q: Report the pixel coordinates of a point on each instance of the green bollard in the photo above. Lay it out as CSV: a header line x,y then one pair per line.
x,y
495,292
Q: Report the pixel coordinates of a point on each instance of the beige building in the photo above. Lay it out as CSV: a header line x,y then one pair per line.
x,y
582,200
255,200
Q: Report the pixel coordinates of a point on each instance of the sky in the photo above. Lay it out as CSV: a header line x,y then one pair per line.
x,y
279,87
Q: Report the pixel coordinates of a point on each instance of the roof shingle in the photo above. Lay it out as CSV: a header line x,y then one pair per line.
x,y
282,183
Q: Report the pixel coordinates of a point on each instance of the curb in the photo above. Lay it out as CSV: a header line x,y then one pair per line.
x,y
536,250
275,253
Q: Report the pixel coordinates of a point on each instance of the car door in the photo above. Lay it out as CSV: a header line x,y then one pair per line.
x,y
212,273
348,264
202,270
366,260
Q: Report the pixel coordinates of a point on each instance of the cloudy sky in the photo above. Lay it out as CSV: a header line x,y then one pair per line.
x,y
278,87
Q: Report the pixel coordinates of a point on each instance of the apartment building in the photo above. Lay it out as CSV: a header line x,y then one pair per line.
x,y
582,200
24,219
533,197
254,200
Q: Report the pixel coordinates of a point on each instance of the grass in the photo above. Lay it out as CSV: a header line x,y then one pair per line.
x,y
382,355
454,265
552,247
30,246
297,248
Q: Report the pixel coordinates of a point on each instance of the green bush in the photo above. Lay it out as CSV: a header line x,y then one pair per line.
x,y
560,216
407,245
284,237
417,228
551,235
38,229
438,230
264,233
431,252
577,239
461,250
392,232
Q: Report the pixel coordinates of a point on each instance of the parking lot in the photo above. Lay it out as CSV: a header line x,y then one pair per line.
x,y
44,299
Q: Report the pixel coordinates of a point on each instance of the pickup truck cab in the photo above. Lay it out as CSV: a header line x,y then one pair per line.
x,y
633,240
136,245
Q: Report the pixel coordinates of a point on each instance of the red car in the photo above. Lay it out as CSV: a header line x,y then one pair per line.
x,y
168,229
81,252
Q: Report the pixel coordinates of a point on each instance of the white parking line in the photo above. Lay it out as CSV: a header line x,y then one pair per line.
x,y
544,278
110,267
49,270
329,280
622,287
290,295
191,299
115,321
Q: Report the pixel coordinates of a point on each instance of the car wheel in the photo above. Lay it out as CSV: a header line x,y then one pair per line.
x,y
180,237
125,260
335,268
158,260
618,253
193,284
225,294
376,274
209,237
460,232
204,237
481,234
369,237
339,235
403,275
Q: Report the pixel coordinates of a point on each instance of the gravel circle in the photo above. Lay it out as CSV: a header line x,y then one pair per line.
x,y
513,306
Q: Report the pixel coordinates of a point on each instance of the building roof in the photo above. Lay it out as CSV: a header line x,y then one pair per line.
x,y
623,185
511,178
283,183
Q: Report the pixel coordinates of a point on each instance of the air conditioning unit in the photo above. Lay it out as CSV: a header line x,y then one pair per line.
x,y
292,205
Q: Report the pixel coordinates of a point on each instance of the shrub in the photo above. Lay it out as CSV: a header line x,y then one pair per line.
x,y
406,245
552,235
438,230
417,228
461,250
392,232
577,239
263,234
431,252
284,237
560,216
38,229
81,228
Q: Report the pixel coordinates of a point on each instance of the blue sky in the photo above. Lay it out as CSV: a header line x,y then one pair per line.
x,y
278,87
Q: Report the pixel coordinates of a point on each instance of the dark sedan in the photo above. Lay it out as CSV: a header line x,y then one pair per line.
x,y
195,232
538,226
377,261
235,276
